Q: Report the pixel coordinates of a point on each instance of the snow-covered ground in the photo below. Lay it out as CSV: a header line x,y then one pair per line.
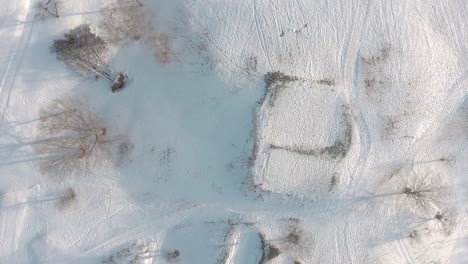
x,y
268,132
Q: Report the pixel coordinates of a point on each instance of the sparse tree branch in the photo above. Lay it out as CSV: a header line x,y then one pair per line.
x,y
121,22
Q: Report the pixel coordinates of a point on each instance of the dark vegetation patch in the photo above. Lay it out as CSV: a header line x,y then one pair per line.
x,y
340,148
125,148
172,256
326,81
271,252
393,125
167,156
381,56
251,64
336,151
376,80
296,149
134,253
333,182
369,83
68,198
294,237
275,81
278,78
263,245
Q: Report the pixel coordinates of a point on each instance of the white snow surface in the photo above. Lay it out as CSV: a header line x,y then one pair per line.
x,y
221,166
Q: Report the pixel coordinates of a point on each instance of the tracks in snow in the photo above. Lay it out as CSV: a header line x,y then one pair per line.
x,y
260,34
16,54
12,220
350,74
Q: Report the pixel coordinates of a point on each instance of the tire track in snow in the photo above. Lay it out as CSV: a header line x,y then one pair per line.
x,y
260,34
96,225
229,62
9,76
350,71
11,221
14,220
402,250
347,242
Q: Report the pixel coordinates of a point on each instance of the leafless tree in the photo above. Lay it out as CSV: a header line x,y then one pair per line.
x,y
71,138
47,8
446,220
85,52
442,222
125,20
423,191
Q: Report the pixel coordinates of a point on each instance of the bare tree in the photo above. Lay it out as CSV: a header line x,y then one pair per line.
x,y
72,139
423,191
446,220
85,52
442,222
125,20
47,8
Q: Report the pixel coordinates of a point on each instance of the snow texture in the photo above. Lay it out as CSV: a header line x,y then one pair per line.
x,y
324,131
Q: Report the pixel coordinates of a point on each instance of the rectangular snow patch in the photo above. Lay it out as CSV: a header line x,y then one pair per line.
x,y
306,115
303,131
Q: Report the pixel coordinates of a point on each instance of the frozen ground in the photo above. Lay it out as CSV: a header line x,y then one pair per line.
x,y
276,132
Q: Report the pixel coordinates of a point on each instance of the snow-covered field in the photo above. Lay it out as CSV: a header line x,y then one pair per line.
x,y
253,131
